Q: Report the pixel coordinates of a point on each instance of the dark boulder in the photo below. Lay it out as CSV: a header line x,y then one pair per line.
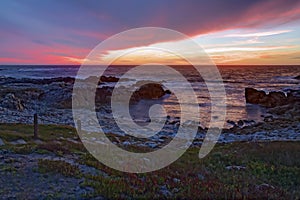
x,y
231,122
254,96
297,77
150,91
109,79
240,123
276,99
272,99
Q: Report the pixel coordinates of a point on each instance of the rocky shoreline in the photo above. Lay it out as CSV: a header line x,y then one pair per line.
x,y
52,100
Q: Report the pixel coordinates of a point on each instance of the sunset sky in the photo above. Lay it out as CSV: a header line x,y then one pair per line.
x,y
231,32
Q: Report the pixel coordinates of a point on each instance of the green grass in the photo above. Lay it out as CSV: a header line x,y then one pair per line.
x,y
272,169
10,132
53,138
58,166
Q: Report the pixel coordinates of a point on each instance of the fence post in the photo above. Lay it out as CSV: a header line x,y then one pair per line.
x,y
79,125
35,126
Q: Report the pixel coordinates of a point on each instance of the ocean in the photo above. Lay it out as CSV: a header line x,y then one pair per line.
x,y
235,78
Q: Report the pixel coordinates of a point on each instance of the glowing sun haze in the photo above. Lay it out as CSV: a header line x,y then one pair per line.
x,y
231,32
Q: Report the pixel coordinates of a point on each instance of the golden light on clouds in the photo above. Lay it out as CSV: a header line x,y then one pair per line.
x,y
223,48
143,55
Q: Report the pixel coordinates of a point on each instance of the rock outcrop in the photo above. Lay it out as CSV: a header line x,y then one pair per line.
x,y
289,111
67,80
270,100
109,79
102,79
150,91
10,101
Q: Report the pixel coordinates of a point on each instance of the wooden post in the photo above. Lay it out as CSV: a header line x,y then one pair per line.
x,y
35,126
79,125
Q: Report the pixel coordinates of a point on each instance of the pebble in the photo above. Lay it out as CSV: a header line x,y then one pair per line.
x,y
126,143
164,190
176,180
151,144
201,177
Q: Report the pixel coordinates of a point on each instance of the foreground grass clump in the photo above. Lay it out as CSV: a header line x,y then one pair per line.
x,y
58,166
52,139
265,170
11,132
234,171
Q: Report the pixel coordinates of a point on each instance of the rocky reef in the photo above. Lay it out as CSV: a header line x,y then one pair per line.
x,y
150,91
52,98
272,99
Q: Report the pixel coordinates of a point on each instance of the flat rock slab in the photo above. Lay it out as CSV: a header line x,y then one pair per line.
x,y
37,141
20,141
1,142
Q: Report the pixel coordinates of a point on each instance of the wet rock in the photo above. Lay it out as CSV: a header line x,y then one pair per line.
x,y
254,96
269,118
168,92
231,122
251,121
272,99
102,79
149,91
290,111
240,123
297,77
276,99
109,79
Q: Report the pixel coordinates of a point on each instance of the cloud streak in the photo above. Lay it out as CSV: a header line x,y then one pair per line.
x,y
259,34
228,49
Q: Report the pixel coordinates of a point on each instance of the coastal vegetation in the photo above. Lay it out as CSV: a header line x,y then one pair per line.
x,y
232,171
